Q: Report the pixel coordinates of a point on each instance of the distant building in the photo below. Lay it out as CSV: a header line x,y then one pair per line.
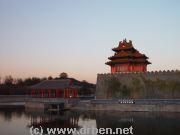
x,y
62,88
127,59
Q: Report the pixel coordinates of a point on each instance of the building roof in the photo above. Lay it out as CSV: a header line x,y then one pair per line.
x,y
55,84
126,53
124,45
122,61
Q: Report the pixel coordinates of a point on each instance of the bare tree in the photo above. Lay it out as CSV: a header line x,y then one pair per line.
x,y
50,78
8,80
63,75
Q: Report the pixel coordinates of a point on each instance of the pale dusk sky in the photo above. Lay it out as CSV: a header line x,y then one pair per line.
x,y
42,37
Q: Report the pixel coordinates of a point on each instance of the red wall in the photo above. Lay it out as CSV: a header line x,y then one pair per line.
x,y
129,68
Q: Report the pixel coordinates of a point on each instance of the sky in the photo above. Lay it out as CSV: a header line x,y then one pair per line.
x,y
44,38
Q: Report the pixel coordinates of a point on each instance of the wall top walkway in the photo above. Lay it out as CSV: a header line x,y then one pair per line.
x,y
148,72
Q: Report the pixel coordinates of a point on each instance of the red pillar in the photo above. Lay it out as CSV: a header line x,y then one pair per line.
x,y
67,93
60,93
32,92
41,93
57,94
53,93
64,93
49,93
76,93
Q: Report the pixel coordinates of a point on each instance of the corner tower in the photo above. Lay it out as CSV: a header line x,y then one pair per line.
x,y
127,59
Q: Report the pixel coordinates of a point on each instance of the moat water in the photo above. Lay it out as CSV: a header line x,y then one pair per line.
x,y
17,121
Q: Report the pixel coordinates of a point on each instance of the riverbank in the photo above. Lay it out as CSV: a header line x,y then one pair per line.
x,y
13,98
140,105
131,105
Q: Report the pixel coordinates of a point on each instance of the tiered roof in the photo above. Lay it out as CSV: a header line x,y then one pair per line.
x,y
126,53
55,84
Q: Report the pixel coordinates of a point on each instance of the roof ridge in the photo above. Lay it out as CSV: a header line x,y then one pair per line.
x,y
57,80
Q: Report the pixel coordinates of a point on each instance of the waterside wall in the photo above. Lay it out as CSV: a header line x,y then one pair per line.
x,y
139,85
165,105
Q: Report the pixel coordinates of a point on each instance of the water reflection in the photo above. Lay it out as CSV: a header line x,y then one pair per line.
x,y
8,113
54,120
19,121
